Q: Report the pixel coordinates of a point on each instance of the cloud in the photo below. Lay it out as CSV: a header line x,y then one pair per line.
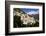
x,y
32,12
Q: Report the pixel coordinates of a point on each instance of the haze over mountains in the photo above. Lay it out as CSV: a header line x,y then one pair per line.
x,y
33,12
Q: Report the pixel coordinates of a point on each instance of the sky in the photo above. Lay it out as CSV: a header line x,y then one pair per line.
x,y
30,11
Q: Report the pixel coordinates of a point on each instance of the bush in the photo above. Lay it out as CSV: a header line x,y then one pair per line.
x,y
17,21
36,24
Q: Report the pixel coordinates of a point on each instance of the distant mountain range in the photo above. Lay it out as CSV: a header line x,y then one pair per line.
x,y
36,16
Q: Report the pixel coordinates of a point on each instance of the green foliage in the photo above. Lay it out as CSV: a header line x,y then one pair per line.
x,y
33,24
19,23
36,24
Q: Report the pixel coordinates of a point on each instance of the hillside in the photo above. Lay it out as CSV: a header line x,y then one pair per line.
x,y
36,16
22,19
